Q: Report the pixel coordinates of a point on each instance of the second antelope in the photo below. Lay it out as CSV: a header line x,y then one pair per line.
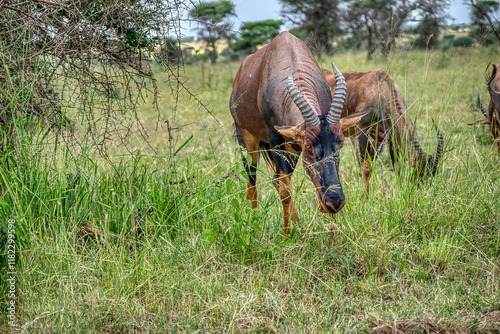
x,y
492,116
386,121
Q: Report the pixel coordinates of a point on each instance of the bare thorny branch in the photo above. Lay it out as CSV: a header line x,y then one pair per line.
x,y
85,65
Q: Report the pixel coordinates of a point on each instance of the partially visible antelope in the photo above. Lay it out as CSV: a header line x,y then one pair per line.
x,y
282,105
492,115
386,121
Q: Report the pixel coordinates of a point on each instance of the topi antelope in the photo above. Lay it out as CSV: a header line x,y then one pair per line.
x,y
492,115
386,120
282,105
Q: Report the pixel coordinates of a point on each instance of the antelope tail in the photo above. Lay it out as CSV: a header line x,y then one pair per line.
x,y
481,107
418,148
439,149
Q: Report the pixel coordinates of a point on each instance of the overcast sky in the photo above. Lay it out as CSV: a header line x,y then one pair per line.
x,y
257,10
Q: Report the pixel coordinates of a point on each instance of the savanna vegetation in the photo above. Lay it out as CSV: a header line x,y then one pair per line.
x,y
155,242
125,184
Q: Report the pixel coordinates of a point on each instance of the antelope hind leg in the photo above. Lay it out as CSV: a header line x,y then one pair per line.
x,y
252,145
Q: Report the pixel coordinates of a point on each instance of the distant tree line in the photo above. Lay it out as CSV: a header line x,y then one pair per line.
x,y
328,25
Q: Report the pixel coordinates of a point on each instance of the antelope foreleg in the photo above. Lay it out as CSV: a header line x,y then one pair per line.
x,y
284,187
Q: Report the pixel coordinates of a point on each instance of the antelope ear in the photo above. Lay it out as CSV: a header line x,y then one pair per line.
x,y
347,123
291,132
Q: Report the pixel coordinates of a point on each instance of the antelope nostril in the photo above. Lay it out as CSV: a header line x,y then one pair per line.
x,y
335,207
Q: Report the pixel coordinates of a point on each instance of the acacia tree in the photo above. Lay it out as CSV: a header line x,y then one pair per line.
x,y
429,27
83,62
320,19
379,22
429,31
213,24
482,14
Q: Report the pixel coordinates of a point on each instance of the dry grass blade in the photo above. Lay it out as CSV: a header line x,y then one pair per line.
x,y
417,326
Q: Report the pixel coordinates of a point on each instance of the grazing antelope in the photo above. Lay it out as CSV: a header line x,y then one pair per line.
x,y
492,115
386,120
281,104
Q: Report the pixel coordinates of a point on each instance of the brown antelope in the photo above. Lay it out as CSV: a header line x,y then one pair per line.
x,y
386,120
492,115
281,103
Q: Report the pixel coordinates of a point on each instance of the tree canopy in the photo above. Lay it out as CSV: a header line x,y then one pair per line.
x,y
256,33
320,19
482,15
379,22
213,24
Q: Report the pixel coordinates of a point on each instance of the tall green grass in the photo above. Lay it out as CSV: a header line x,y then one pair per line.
x,y
182,251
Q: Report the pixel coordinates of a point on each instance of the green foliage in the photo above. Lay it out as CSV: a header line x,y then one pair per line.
x,y
483,16
379,23
170,51
195,58
483,35
454,27
214,25
420,43
429,30
410,29
348,44
299,33
319,19
481,8
462,41
229,54
253,34
187,39
213,12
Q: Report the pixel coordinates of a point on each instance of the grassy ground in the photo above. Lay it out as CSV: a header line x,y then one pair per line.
x,y
180,250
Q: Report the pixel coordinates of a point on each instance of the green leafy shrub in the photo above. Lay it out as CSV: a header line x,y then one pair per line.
x,y
462,42
197,58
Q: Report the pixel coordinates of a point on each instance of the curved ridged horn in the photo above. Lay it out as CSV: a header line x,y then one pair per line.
x,y
333,116
418,148
480,106
439,149
308,114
